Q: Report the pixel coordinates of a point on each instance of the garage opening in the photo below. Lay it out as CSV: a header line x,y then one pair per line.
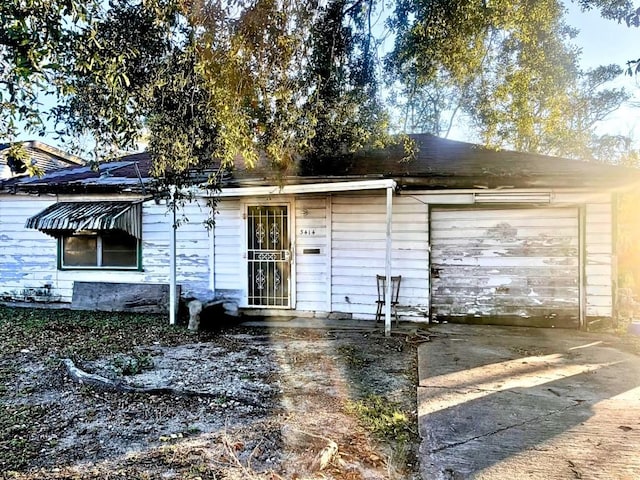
x,y
506,266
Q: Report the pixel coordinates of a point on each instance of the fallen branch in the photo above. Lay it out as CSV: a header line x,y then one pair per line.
x,y
103,383
326,449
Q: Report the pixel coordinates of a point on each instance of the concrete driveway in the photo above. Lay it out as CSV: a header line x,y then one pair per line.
x,y
521,403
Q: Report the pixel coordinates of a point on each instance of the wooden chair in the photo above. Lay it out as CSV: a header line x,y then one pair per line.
x,y
382,291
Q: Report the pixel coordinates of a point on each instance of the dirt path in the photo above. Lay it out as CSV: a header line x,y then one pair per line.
x,y
264,404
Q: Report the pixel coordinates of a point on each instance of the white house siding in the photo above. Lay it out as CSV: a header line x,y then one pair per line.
x,y
358,251
599,259
598,249
28,258
506,265
229,249
311,253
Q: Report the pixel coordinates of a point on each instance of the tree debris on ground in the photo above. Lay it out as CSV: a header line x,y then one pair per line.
x,y
235,403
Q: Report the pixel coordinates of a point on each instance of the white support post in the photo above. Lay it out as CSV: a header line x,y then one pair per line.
x,y
212,259
387,294
173,301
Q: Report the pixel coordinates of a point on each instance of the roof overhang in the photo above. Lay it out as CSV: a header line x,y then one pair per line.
x,y
100,216
310,188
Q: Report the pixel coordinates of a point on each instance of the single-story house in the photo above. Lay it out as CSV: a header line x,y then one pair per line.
x,y
477,235
42,155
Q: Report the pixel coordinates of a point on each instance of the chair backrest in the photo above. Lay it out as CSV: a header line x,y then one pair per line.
x,y
382,287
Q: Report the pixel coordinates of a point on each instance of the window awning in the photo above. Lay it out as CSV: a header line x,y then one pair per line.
x,y
74,216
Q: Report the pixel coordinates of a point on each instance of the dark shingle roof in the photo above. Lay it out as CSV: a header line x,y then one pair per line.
x,y
44,156
128,173
448,164
438,164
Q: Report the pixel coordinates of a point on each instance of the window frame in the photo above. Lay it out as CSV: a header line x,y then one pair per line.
x,y
98,235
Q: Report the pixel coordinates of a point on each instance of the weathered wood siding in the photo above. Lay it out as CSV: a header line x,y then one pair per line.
x,y
339,247
28,258
518,265
598,259
358,251
230,269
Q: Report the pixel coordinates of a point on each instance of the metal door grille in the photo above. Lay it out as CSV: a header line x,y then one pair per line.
x,y
268,255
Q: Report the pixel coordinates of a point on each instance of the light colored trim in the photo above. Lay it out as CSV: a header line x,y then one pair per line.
x,y
307,188
444,191
212,246
387,303
69,158
582,274
329,252
173,301
293,264
512,197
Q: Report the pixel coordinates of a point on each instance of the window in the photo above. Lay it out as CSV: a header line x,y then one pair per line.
x,y
108,250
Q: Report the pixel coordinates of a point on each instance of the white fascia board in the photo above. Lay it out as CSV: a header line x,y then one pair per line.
x,y
304,188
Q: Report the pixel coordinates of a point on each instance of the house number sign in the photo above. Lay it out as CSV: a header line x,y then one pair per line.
x,y
307,232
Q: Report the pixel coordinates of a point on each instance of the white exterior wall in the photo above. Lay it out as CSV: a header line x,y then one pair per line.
x,y
358,251
347,229
598,250
28,257
312,269
599,259
229,251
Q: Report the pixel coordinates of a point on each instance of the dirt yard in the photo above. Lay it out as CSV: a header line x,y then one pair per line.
x,y
235,403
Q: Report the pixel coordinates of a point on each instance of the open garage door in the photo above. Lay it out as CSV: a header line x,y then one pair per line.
x,y
516,266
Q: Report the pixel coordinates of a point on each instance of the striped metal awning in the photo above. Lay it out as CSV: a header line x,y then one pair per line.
x,y
75,216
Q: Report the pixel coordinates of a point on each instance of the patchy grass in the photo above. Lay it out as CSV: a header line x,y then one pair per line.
x,y
391,424
385,419
69,333
49,426
17,433
55,334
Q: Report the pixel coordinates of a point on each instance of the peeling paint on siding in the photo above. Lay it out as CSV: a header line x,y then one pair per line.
x,y
527,267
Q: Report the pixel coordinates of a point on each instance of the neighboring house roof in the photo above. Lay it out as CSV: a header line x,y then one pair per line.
x,y
129,173
44,156
438,164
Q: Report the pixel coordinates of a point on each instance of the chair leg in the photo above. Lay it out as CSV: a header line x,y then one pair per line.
x,y
379,312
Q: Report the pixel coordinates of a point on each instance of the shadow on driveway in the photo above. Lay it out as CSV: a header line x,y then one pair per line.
x,y
515,403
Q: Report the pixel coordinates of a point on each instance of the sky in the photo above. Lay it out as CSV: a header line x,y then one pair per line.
x,y
602,42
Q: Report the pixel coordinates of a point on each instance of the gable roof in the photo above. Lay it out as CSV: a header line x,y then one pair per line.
x,y
44,156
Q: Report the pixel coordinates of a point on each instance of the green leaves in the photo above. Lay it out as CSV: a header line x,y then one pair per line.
x,y
508,66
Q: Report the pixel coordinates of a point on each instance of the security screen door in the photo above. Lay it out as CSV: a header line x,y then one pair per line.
x,y
268,255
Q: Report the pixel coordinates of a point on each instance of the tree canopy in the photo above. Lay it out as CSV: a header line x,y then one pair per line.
x,y
508,66
288,80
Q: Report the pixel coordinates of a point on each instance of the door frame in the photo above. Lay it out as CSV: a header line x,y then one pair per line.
x,y
289,202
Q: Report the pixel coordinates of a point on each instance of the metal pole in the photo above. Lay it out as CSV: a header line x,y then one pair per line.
x,y
173,303
387,294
